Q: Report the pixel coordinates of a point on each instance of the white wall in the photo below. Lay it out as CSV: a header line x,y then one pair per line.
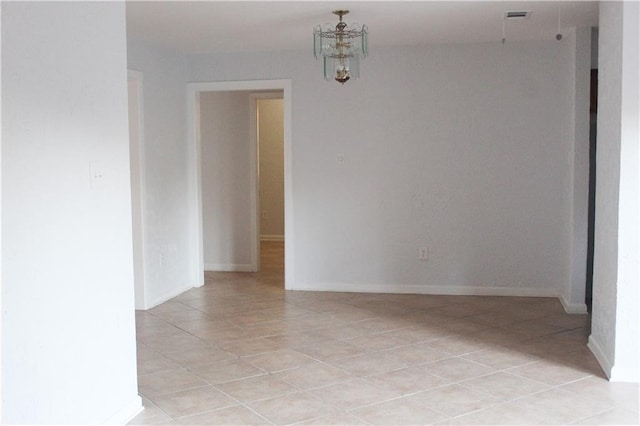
x,y
1,238
271,155
627,364
615,321
226,180
166,204
68,349
462,149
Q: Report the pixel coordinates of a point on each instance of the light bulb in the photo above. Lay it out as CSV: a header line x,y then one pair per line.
x,y
342,74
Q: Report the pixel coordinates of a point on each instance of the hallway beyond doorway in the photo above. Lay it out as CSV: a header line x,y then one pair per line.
x,y
272,263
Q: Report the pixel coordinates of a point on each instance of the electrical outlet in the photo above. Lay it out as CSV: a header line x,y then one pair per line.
x,y
423,254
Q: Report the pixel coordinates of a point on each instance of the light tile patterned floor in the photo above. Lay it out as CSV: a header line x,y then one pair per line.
x,y
241,350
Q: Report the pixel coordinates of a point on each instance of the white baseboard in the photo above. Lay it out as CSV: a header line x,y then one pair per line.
x,y
602,359
166,296
127,413
613,372
427,289
573,308
271,237
229,267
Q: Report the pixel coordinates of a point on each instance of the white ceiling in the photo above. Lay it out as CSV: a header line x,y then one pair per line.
x,y
225,26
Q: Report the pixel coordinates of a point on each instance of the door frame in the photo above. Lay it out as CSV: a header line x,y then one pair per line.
x,y
138,190
195,172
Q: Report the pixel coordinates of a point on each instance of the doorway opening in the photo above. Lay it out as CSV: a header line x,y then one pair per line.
x,y
593,131
226,213
269,109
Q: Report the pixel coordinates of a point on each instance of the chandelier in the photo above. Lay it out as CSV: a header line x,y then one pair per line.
x,y
340,48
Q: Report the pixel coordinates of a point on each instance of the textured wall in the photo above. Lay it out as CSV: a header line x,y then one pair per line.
x,y
166,215
614,337
462,149
226,183
68,326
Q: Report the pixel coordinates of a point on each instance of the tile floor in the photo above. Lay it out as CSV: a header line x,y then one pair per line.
x,y
241,350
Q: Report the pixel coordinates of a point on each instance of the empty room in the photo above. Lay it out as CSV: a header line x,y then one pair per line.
x,y
320,212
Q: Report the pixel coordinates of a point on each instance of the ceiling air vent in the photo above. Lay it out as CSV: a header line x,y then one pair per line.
x,y
517,14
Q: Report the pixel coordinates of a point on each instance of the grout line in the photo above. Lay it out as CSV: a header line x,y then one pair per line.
x,y
271,312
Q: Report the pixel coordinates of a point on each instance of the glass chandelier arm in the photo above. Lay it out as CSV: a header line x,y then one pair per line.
x,y
317,42
365,41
